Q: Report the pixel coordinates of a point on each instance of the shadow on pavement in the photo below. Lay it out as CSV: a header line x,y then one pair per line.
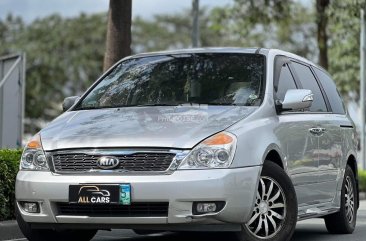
x,y
191,236
302,234
310,234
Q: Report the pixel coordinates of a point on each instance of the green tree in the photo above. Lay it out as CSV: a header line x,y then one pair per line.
x,y
9,29
63,58
268,23
167,31
344,42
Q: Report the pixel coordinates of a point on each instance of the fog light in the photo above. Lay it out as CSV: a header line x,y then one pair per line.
x,y
199,208
30,207
206,207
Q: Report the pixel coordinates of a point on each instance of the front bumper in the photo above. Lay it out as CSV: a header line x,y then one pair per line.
x,y
237,187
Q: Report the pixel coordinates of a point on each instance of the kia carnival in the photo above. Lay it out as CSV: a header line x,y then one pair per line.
x,y
246,140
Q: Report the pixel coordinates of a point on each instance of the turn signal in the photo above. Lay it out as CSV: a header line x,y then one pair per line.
x,y
218,139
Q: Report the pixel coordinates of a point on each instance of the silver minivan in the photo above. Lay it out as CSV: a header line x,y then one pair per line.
x,y
246,140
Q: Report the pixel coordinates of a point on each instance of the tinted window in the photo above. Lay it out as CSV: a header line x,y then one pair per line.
x,y
285,82
331,91
308,81
218,79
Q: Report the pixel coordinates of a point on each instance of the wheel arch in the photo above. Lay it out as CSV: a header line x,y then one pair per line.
x,y
274,154
351,161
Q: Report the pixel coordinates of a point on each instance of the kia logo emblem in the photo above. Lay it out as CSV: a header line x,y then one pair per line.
x,y
107,162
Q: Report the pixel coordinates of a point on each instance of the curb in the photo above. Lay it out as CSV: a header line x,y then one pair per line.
x,y
10,230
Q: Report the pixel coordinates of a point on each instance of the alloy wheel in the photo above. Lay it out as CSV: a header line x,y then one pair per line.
x,y
269,211
349,200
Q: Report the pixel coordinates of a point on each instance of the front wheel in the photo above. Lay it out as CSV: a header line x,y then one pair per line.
x,y
275,211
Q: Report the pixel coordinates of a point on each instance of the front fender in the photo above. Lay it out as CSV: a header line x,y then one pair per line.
x,y
255,140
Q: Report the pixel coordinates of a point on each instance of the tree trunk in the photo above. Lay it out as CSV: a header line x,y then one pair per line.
x,y
322,23
195,24
118,32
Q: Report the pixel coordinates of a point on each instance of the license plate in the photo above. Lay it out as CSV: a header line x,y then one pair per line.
x,y
100,194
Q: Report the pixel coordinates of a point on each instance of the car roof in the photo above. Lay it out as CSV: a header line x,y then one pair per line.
x,y
291,55
200,50
251,50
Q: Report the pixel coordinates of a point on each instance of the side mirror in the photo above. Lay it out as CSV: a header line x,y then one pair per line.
x,y
297,99
69,101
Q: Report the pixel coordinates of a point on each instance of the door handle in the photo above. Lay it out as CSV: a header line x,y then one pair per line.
x,y
317,131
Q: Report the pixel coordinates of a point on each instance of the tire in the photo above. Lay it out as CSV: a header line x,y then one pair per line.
x,y
344,221
278,210
50,234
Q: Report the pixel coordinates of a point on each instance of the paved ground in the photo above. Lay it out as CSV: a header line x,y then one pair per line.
x,y
310,230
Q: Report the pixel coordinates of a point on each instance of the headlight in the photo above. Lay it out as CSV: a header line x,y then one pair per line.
x,y
216,151
33,157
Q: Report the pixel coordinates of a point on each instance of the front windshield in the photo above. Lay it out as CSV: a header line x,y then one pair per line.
x,y
213,79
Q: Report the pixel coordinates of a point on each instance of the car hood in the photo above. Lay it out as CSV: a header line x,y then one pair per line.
x,y
168,127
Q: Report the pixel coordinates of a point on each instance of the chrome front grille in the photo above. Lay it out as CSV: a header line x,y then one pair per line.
x,y
129,161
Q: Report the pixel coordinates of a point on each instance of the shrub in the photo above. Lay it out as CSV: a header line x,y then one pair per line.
x,y
362,180
9,165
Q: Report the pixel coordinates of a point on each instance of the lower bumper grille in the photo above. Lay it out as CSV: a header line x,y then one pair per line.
x,y
151,209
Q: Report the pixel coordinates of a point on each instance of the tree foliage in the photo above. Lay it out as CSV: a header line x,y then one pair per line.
x,y
64,56
269,23
344,44
167,31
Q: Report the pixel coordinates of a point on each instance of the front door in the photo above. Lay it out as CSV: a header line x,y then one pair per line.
x,y
326,131
299,145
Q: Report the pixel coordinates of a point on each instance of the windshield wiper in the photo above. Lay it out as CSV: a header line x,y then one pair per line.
x,y
160,104
93,107
221,103
121,106
154,104
191,104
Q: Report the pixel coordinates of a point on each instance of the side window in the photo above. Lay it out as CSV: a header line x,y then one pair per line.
x,y
331,90
309,82
285,82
